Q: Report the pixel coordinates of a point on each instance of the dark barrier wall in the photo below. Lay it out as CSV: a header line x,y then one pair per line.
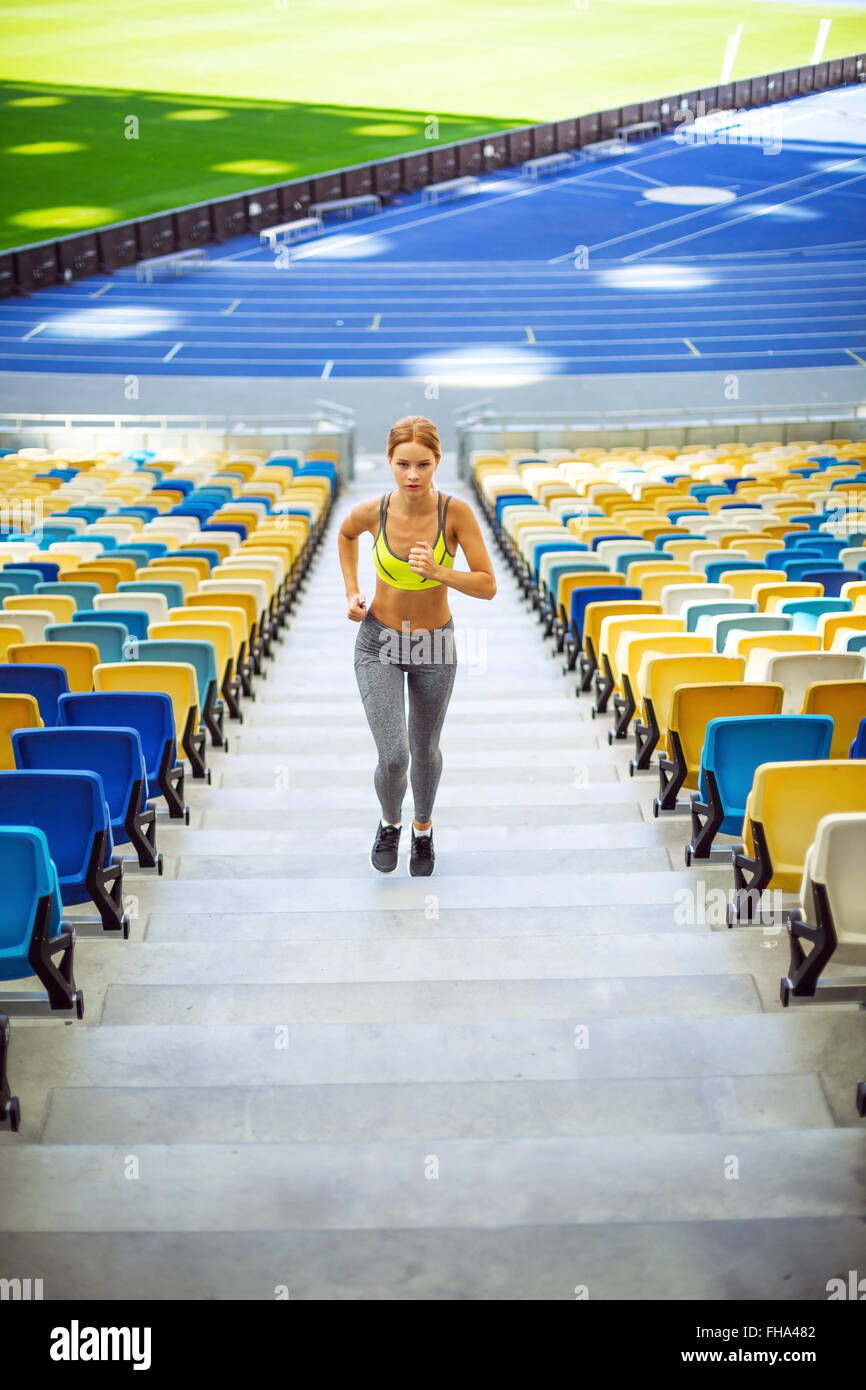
x,y
30,268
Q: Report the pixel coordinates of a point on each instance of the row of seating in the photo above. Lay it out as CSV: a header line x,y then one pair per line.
x,y
713,602
138,616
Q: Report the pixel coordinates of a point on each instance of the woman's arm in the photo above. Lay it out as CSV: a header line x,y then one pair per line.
x,y
479,581
359,520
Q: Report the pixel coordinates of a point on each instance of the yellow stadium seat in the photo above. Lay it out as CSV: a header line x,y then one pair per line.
x,y
766,595
845,702
692,708
594,615
644,618
60,605
177,679
785,804
657,680
16,712
744,643
77,659
630,656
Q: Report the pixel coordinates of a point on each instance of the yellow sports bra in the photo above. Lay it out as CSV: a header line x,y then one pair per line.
x,y
393,568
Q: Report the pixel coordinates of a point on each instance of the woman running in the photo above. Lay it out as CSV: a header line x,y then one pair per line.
x,y
417,531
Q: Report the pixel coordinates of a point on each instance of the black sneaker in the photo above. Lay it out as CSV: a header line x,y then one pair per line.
x,y
421,858
384,853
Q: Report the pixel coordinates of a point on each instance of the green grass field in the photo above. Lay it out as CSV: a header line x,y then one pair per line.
x,y
231,96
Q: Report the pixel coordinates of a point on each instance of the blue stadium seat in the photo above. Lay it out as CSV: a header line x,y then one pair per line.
x,y
115,754
152,717
715,608
805,612
43,569
25,580
858,746
135,620
71,811
31,934
202,657
84,594
833,578
716,568
108,638
733,748
45,683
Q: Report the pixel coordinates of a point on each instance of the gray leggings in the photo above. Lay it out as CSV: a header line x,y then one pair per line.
x,y
429,659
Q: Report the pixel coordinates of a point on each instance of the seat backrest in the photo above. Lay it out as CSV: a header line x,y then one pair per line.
x,y
68,807
133,621
837,860
659,644
81,594
107,638
829,624
728,628
232,618
788,800
149,713
77,659
590,608
766,594
693,706
845,702
659,677
675,596
16,712
759,647
170,590
152,604
175,679
114,753
60,606
234,598
734,748
186,576
798,670
613,630
200,655
699,615
27,875
45,683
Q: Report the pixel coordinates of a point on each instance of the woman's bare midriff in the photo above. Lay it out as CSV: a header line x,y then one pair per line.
x,y
419,608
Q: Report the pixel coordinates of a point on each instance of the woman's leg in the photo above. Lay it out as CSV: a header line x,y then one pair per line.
x,y
430,686
381,685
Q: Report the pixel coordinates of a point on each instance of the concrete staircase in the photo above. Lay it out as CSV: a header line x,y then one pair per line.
x,y
538,1072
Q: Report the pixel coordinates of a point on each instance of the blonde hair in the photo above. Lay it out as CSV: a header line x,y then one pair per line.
x,y
414,428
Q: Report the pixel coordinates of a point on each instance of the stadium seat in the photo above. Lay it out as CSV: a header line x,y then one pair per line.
x,y
152,717
697,615
201,655
60,606
798,670
658,678
115,754
109,639
140,593
613,646
82,595
830,918
723,628
175,679
785,804
135,621
733,749
46,683
221,637
630,655
70,809
589,608
845,702
77,659
16,712
31,935
692,708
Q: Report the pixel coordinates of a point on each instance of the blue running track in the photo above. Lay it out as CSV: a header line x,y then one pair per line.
x,y
733,249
